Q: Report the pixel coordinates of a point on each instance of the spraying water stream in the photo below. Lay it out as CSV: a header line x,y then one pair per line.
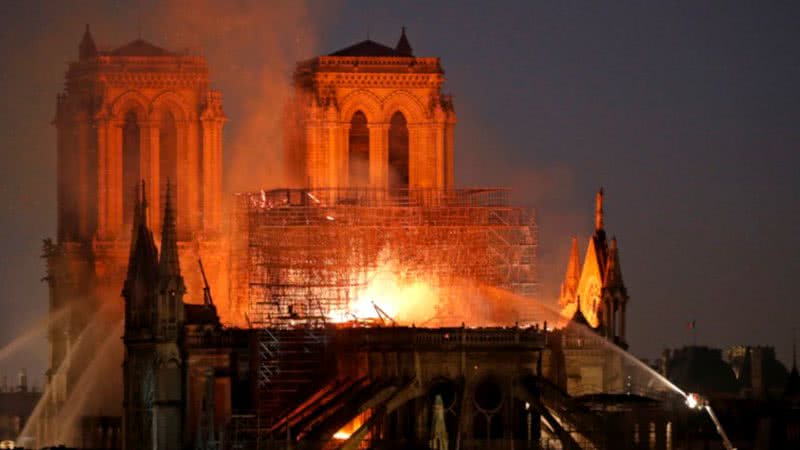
x,y
31,332
546,311
77,382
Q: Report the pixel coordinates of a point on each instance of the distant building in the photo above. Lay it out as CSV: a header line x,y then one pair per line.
x,y
702,370
16,405
758,370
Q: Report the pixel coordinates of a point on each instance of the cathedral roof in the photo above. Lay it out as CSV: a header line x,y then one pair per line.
x,y
140,47
367,48
371,48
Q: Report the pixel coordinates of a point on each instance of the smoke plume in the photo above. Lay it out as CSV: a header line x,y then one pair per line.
x,y
251,47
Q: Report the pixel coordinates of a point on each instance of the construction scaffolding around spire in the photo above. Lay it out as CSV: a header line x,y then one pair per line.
x,y
301,255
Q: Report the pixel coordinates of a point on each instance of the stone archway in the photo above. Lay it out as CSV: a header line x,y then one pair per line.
x,y
398,152
358,158
488,398
131,164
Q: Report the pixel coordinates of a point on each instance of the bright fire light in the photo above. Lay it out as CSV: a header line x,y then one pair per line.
x,y
402,296
350,428
341,436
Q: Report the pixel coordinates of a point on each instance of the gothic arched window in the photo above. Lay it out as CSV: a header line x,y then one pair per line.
x,y
358,156
167,155
130,165
398,152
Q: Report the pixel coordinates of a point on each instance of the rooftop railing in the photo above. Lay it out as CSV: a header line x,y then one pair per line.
x,y
373,197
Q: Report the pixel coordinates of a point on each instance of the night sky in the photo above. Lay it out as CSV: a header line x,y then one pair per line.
x,y
688,115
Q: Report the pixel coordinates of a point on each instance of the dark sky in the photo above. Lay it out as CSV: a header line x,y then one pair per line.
x,y
687,113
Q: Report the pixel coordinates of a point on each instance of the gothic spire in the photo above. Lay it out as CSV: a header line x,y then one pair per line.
x,y
403,46
87,48
143,259
570,285
574,267
613,276
169,265
598,211
140,252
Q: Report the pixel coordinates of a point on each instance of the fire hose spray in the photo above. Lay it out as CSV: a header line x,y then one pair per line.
x,y
698,402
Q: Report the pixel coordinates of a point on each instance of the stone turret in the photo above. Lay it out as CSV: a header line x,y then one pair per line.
x,y
403,47
87,48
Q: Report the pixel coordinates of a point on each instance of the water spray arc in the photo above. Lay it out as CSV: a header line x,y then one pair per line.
x,y
696,401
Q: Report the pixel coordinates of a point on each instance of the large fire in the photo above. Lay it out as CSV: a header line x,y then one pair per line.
x,y
396,294
393,293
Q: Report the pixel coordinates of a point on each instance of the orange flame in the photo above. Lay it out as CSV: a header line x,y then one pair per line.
x,y
394,291
351,427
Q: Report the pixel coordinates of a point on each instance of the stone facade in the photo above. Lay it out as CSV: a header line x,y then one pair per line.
x,y
136,112
371,116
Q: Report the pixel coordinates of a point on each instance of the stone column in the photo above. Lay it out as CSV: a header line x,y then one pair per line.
x,y
332,155
414,162
313,155
102,173
378,155
85,145
113,180
448,155
439,147
212,174
191,177
149,168
342,161
185,180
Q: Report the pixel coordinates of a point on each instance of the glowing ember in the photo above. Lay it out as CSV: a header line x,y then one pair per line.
x,y
350,428
341,436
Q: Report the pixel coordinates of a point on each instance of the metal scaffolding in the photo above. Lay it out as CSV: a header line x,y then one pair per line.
x,y
298,255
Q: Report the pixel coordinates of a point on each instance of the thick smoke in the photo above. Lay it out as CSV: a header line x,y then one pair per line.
x,y
251,47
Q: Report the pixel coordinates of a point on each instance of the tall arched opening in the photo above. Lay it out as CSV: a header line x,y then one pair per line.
x,y
168,157
131,158
358,155
398,152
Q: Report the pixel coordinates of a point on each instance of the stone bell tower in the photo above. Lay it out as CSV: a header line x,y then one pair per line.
x,y
135,112
371,116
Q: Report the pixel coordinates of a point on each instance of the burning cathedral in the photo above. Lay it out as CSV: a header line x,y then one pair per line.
x,y
370,303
